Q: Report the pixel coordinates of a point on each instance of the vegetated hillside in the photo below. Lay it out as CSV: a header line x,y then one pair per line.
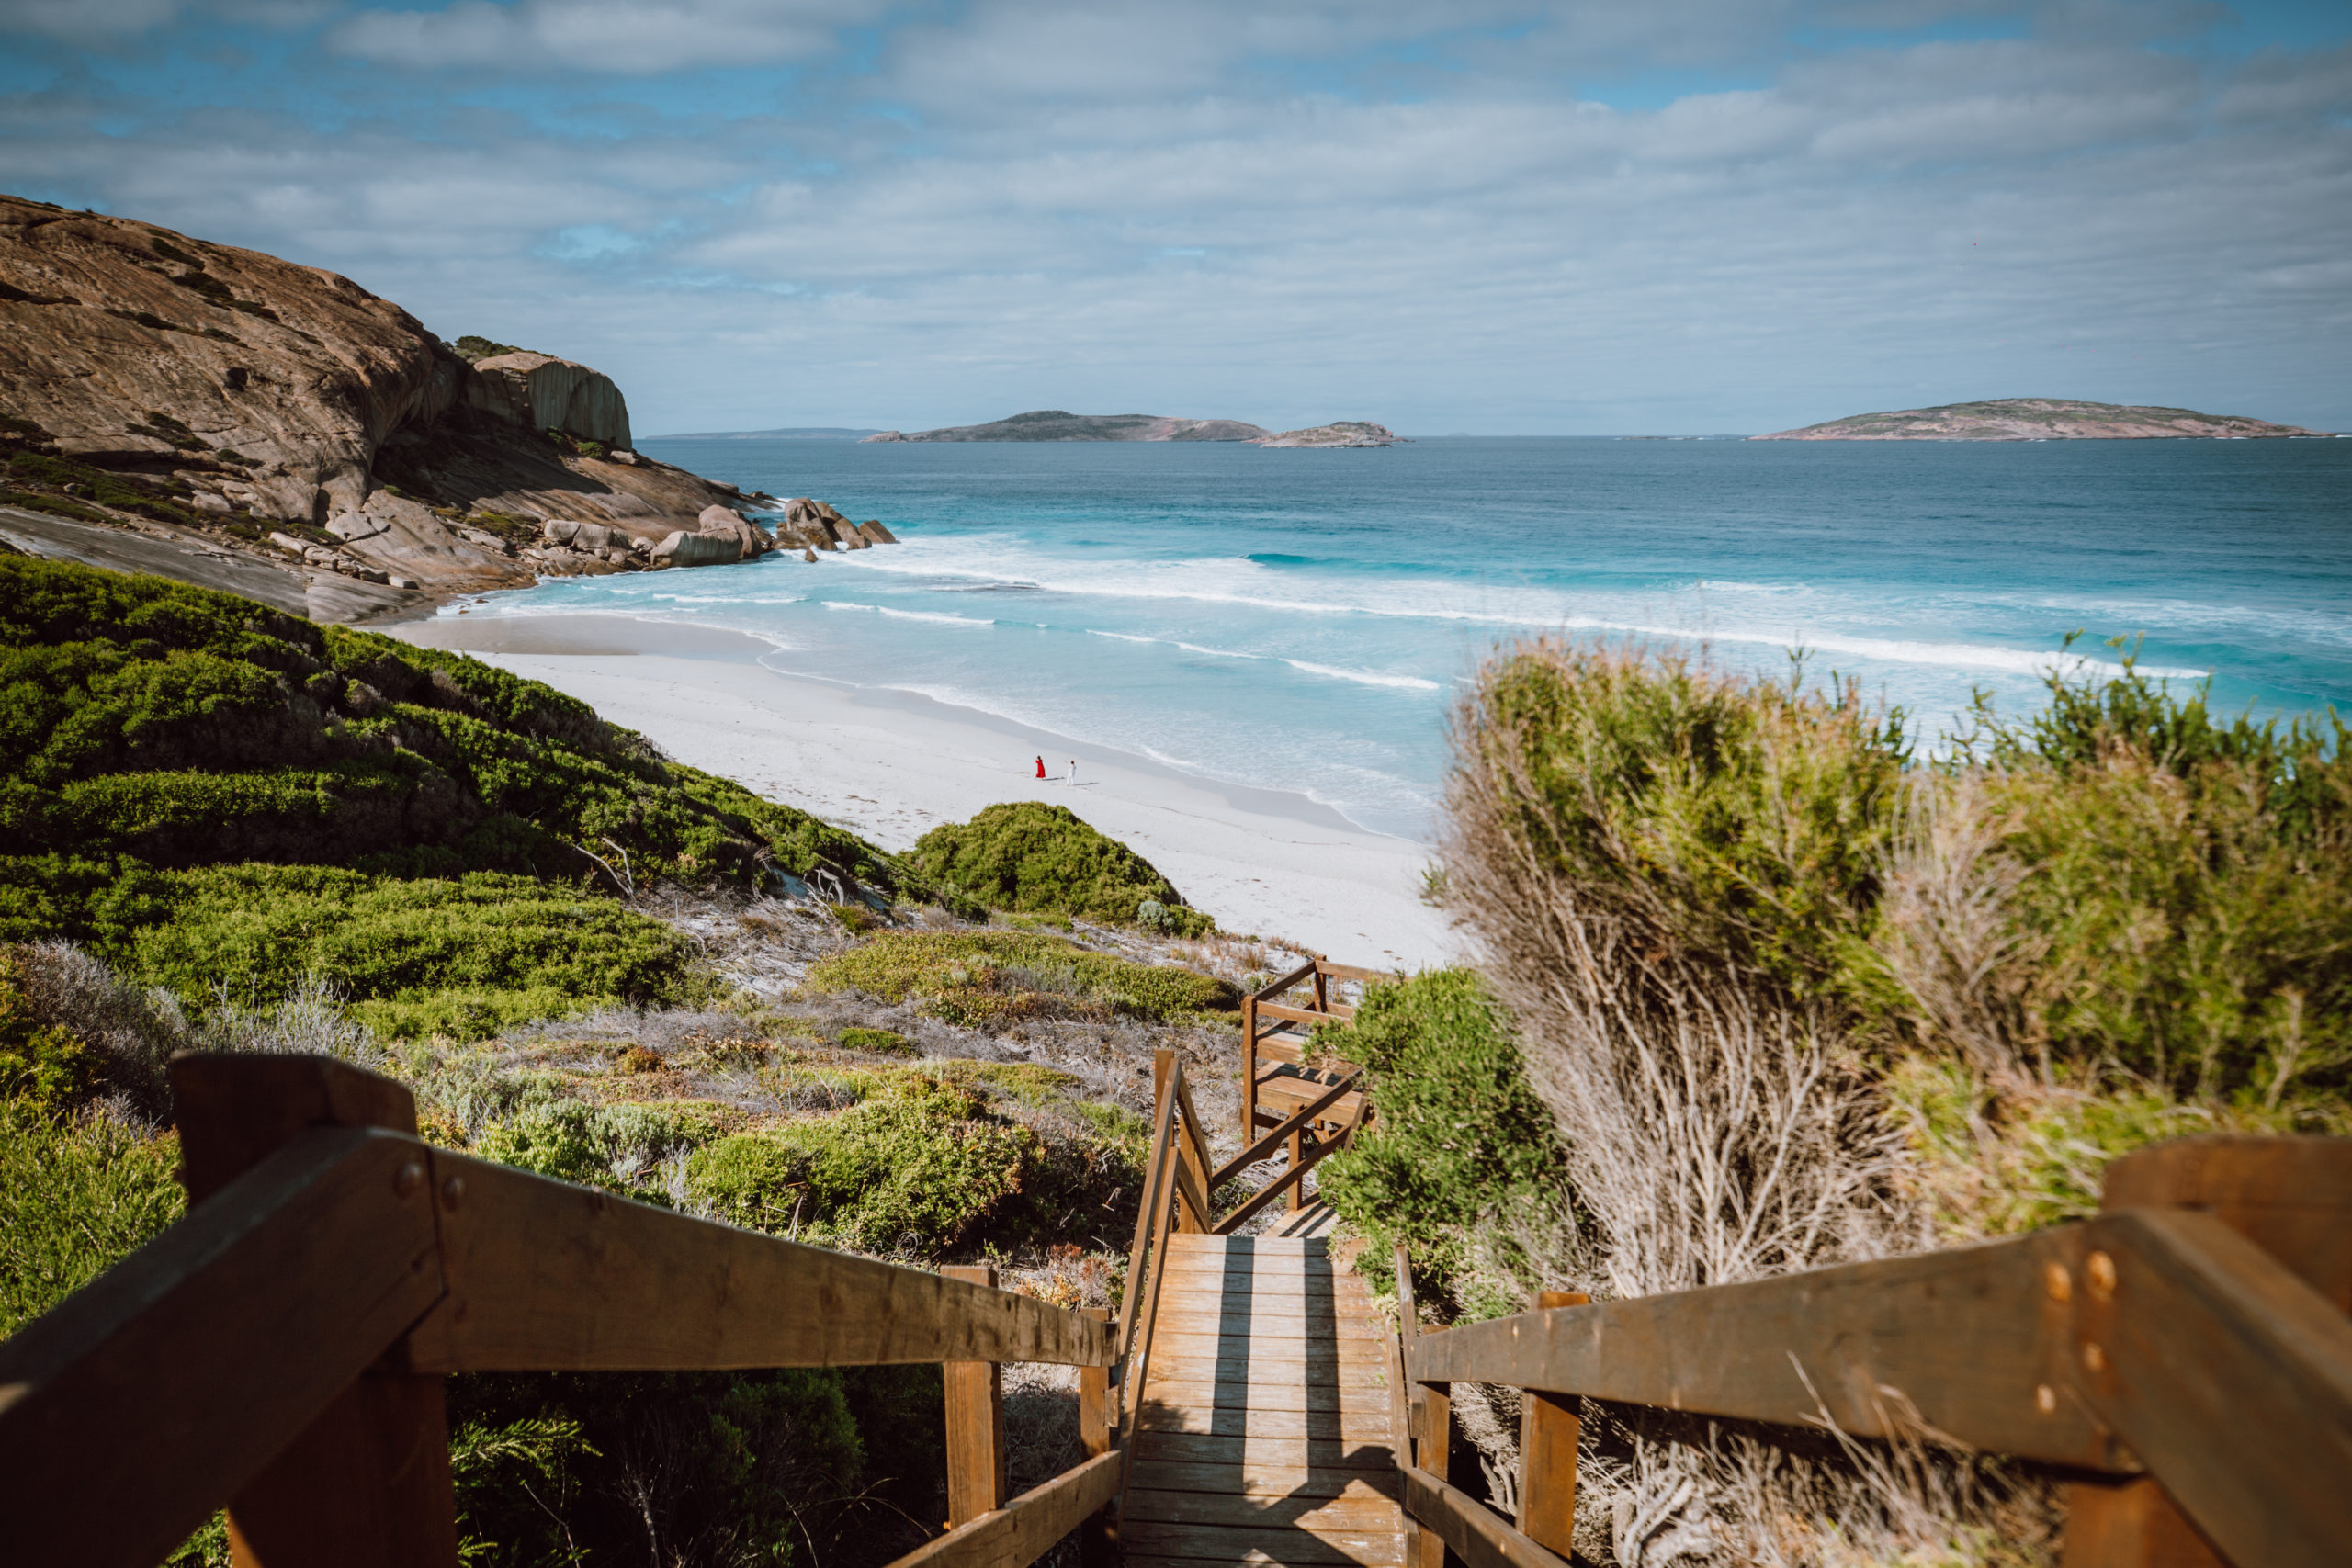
x,y
1053,424
214,794
2036,419
227,828
1763,988
1036,858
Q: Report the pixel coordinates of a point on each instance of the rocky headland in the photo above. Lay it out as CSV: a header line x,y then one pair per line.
x,y
1343,432
277,426
2038,419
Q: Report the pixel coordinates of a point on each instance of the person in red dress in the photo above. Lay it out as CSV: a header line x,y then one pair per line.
x,y
1041,767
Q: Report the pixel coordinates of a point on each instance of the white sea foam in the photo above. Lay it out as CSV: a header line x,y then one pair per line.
x,y
1364,677
932,615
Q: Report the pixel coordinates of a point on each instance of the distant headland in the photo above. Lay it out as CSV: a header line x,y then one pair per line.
x,y
1056,425
2038,419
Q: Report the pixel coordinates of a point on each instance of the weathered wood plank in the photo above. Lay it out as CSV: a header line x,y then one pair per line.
x,y
1372,1549
1320,1454
1341,1426
1277,986
1243,1246
1210,1340
140,1403
1300,1373
1549,1432
1968,1335
1270,1320
1269,1394
1027,1528
1307,1015
1476,1533
2229,1376
1361,976
975,1400
367,1483
1137,1560
1252,1479
544,1275
1291,1181
1365,1510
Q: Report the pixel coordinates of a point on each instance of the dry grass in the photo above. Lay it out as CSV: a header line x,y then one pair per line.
x,y
1661,865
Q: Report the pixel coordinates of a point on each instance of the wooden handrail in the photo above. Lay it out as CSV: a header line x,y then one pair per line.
x,y
1306,1015
1025,1528
1288,1180
1265,1147
137,1406
2160,1337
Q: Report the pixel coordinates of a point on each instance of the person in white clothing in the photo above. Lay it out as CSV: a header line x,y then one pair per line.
x,y
1073,770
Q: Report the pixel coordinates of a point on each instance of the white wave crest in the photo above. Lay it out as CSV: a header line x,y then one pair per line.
x,y
1364,677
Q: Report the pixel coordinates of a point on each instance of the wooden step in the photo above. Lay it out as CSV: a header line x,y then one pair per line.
x,y
1208,1341
1336,1426
1309,1371
1363,1509
1268,1391
1321,1455
1252,1479
1372,1549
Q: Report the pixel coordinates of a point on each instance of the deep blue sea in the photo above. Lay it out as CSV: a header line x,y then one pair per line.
x,y
1300,619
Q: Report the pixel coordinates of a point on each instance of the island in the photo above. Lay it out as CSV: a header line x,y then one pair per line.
x,y
2040,419
1342,432
1055,424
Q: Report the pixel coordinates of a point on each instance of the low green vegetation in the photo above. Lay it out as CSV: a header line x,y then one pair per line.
x,y
1035,859
471,348
992,979
78,1191
1461,1141
214,795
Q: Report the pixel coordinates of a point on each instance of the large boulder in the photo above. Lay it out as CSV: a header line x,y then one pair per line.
x,y
682,548
724,523
541,392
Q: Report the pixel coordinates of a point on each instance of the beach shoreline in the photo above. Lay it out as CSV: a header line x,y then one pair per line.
x,y
889,765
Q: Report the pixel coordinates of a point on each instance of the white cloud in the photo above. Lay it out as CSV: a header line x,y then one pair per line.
x,y
622,37
1135,212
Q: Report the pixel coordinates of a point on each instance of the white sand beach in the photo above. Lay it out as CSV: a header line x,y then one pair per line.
x,y
890,765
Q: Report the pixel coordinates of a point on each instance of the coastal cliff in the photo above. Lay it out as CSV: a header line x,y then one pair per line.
x,y
279,430
2038,419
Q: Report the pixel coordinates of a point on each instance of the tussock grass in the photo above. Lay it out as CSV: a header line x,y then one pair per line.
x,y
993,979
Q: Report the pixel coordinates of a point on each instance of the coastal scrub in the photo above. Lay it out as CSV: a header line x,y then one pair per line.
x,y
1036,858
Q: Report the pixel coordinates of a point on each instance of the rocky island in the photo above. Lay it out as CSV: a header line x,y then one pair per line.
x,y
2038,419
1054,425
1343,432
233,420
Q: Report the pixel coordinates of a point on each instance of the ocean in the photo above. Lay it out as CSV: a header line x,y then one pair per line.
x,y
1302,620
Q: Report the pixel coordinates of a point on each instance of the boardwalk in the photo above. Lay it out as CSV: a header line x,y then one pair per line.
x,y
1265,1430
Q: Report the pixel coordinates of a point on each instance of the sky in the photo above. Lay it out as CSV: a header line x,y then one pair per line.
x,y
1485,217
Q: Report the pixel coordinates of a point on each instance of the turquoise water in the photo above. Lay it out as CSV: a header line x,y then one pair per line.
x,y
1300,619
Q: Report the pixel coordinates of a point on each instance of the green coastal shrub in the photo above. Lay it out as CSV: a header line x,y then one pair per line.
x,y
919,1165
982,979
1033,858
1459,1140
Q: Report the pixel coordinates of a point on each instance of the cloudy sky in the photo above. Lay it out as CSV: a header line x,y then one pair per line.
x,y
1485,217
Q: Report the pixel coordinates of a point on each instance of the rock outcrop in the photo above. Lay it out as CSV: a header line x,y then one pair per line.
x,y
2036,419
1054,424
1342,432
538,392
153,380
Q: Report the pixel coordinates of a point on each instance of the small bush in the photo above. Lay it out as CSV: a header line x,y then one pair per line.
x,y
881,1041
1022,855
983,979
1459,1139
917,1167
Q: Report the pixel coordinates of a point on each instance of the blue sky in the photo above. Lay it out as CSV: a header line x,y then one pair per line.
x,y
1679,216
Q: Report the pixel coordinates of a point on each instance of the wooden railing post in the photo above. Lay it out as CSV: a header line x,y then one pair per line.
x,y
1549,1429
1432,1414
975,1423
1098,1538
1249,1070
2292,1197
367,1483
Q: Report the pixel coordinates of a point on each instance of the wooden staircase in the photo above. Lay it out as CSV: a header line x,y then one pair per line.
x,y
1265,1432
